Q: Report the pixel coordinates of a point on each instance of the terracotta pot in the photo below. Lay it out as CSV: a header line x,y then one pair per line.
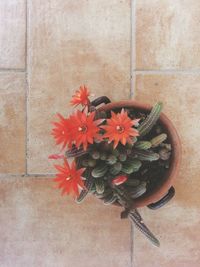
x,y
162,189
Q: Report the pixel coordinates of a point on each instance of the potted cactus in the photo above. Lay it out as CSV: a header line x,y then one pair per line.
x,y
124,153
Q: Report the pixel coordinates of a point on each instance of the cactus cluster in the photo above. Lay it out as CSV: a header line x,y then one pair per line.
x,y
103,163
119,155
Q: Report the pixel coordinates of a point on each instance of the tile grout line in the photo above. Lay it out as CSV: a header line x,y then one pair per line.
x,y
133,48
12,69
132,92
27,90
11,175
168,71
136,71
132,245
26,36
131,52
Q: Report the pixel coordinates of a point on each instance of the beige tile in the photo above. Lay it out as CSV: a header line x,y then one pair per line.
x,y
12,33
177,228
167,34
73,43
178,224
41,228
12,122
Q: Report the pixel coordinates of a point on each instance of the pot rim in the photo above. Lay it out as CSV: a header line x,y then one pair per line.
x,y
174,139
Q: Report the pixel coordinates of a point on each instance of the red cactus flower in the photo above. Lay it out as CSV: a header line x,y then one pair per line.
x,y
69,178
119,180
119,128
61,131
84,128
81,97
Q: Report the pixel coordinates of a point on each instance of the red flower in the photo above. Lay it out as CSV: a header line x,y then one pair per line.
x,y
119,128
85,129
119,180
61,131
69,178
81,97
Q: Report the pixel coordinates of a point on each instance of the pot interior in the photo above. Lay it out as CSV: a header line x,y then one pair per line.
x,y
166,179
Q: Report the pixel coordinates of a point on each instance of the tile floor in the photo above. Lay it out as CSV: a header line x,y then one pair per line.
x,y
145,49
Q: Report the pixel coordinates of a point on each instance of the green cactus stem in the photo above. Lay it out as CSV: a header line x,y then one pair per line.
x,y
112,159
164,154
100,170
110,199
115,152
85,162
122,157
131,165
167,146
78,161
123,197
128,151
115,168
103,195
95,154
138,191
146,126
103,155
139,223
89,182
75,152
156,141
100,187
145,155
143,145
92,162
132,182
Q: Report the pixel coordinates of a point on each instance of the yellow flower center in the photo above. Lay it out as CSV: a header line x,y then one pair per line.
x,y
82,129
120,128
